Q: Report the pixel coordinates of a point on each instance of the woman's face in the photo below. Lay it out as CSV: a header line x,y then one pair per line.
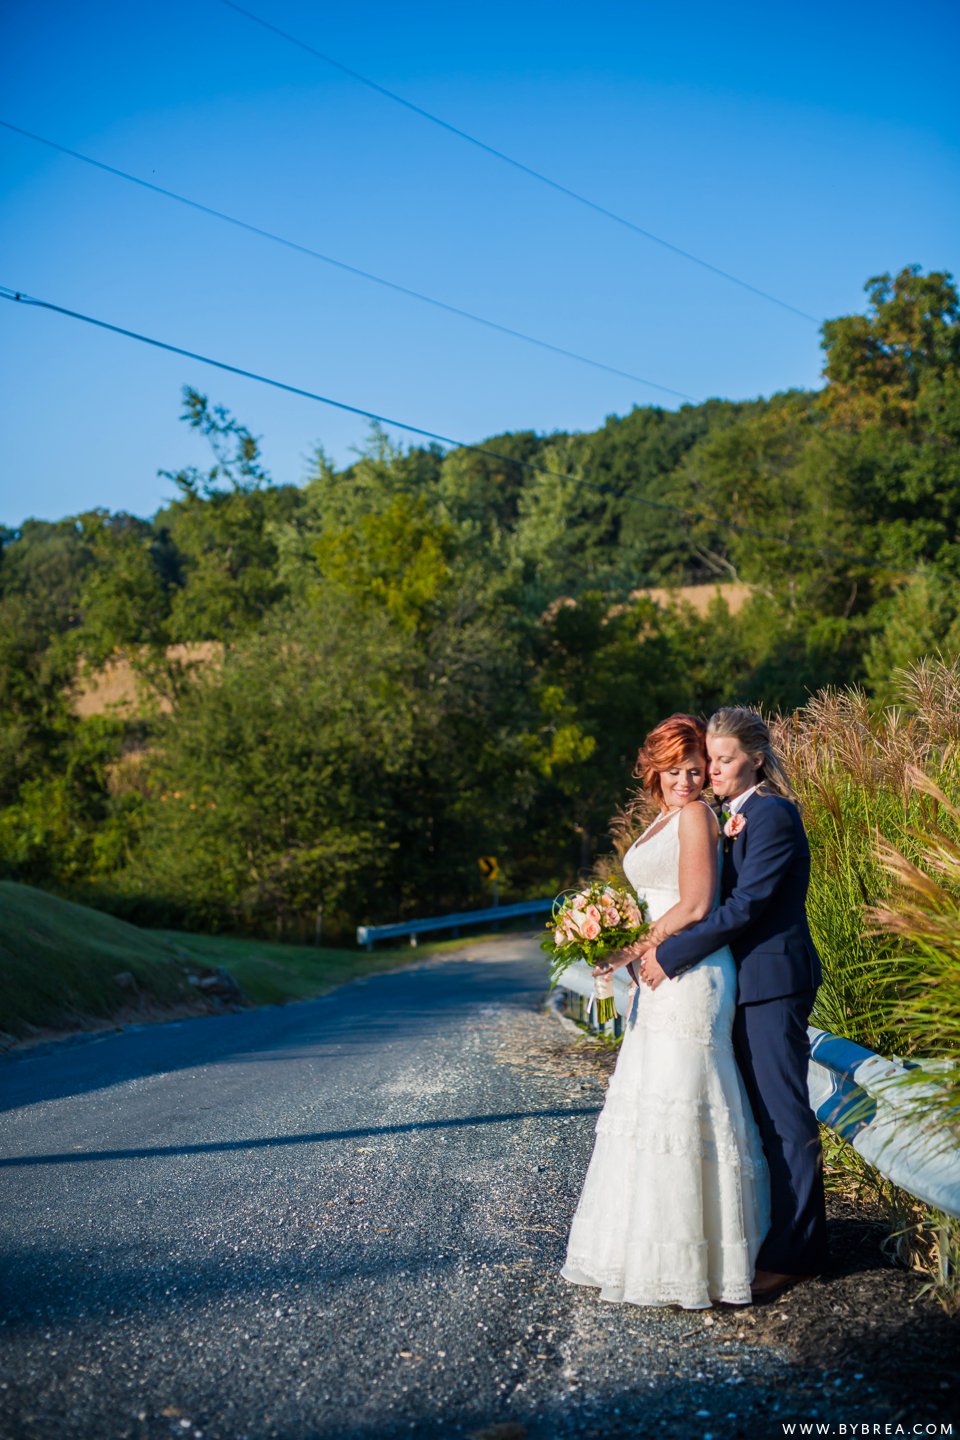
x,y
683,783
732,769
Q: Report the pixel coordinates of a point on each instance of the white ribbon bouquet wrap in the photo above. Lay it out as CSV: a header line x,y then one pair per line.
x,y
589,925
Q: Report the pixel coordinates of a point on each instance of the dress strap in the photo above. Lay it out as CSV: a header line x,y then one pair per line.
x,y
701,801
658,820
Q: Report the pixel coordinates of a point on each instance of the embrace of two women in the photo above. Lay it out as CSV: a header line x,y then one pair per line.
x,y
706,1180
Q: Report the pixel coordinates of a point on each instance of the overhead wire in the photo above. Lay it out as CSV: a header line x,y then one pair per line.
x,y
346,266
693,517
525,169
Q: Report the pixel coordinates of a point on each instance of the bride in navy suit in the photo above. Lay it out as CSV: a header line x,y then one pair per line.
x,y
762,917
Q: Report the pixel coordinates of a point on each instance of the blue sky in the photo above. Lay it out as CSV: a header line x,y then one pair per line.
x,y
804,151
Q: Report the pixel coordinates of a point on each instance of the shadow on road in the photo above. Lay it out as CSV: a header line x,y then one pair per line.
x,y
63,1285
316,1137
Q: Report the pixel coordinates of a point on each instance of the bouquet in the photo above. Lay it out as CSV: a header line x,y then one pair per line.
x,y
588,926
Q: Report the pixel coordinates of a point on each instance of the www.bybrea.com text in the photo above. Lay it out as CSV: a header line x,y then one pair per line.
x,y
867,1427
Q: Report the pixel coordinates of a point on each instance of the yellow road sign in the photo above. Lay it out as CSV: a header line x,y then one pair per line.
x,y
488,867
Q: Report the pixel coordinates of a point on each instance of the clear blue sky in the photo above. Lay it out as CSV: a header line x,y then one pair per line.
x,y
802,149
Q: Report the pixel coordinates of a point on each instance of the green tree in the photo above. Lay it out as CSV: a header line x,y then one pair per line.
x,y
605,674
42,573
922,617
125,600
222,528
892,408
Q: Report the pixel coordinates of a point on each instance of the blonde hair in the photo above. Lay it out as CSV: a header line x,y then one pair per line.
x,y
751,730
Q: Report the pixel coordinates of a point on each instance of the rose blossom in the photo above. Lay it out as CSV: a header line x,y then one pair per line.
x,y
591,929
592,913
735,825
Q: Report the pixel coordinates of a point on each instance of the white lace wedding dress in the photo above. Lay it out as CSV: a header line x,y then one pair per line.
x,y
676,1199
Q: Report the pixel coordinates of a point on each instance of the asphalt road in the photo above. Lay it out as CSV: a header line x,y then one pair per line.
x,y
342,1218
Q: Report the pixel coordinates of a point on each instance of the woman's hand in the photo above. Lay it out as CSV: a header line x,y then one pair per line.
x,y
616,960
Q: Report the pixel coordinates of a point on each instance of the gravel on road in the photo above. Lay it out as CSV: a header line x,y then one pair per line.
x,y
345,1218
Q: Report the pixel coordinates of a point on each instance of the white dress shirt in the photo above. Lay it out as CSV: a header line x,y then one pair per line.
x,y
738,802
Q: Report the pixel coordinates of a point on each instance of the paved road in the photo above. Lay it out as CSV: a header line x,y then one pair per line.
x,y
342,1218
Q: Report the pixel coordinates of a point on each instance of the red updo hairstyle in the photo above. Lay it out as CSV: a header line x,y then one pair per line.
x,y
666,746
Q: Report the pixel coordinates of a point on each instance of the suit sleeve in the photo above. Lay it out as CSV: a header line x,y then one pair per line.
x,y
771,850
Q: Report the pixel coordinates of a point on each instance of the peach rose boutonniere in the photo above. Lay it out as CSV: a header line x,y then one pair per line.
x,y
735,825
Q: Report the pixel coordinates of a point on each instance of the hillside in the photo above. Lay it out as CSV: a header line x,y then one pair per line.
x,y
60,963
65,967
434,656
116,689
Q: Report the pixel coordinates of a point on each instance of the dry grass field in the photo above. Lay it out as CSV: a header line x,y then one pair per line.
x,y
700,596
117,688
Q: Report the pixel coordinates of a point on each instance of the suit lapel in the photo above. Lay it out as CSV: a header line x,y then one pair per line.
x,y
733,849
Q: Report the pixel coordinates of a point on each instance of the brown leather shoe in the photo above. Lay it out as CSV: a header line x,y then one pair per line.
x,y
769,1285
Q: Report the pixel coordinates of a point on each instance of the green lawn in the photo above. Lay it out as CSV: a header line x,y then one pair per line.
x,y
269,972
59,962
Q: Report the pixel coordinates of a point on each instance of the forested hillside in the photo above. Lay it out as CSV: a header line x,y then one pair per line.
x,y
426,657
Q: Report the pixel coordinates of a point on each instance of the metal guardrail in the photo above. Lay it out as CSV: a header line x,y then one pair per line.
x,y
866,1099
879,1109
367,935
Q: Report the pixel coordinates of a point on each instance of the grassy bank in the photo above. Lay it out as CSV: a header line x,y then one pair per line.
x,y
270,973
61,963
64,966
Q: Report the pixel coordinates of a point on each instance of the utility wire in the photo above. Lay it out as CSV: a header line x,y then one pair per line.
x,y
692,517
343,265
517,164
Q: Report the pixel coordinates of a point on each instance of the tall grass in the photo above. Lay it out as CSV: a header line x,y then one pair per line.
x,y
880,789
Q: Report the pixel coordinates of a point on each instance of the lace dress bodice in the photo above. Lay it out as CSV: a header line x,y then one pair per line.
x,y
653,865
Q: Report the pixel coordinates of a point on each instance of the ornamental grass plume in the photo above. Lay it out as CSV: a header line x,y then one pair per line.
x,y
855,767
922,911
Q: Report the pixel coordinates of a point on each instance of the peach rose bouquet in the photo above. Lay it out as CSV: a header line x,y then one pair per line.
x,y
589,925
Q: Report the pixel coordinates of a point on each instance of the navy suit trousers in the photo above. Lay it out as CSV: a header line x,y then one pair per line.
x,y
773,1052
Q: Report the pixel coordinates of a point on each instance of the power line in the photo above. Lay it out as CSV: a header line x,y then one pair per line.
x,y
693,517
343,265
517,164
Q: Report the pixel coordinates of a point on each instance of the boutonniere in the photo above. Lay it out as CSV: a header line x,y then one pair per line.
x,y
734,824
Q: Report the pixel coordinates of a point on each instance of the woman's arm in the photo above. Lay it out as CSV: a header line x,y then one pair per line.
x,y
697,883
776,835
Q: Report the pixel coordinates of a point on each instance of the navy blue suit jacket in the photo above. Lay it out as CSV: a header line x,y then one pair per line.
x,y
762,912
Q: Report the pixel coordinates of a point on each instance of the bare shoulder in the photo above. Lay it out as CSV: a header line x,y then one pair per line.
x,y
698,820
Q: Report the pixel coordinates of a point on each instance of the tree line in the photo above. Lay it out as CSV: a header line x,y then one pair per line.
x,y
426,657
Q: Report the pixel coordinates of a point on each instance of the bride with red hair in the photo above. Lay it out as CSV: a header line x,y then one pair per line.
x,y
675,1203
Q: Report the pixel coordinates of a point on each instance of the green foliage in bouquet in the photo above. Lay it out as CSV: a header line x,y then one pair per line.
x,y
590,924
